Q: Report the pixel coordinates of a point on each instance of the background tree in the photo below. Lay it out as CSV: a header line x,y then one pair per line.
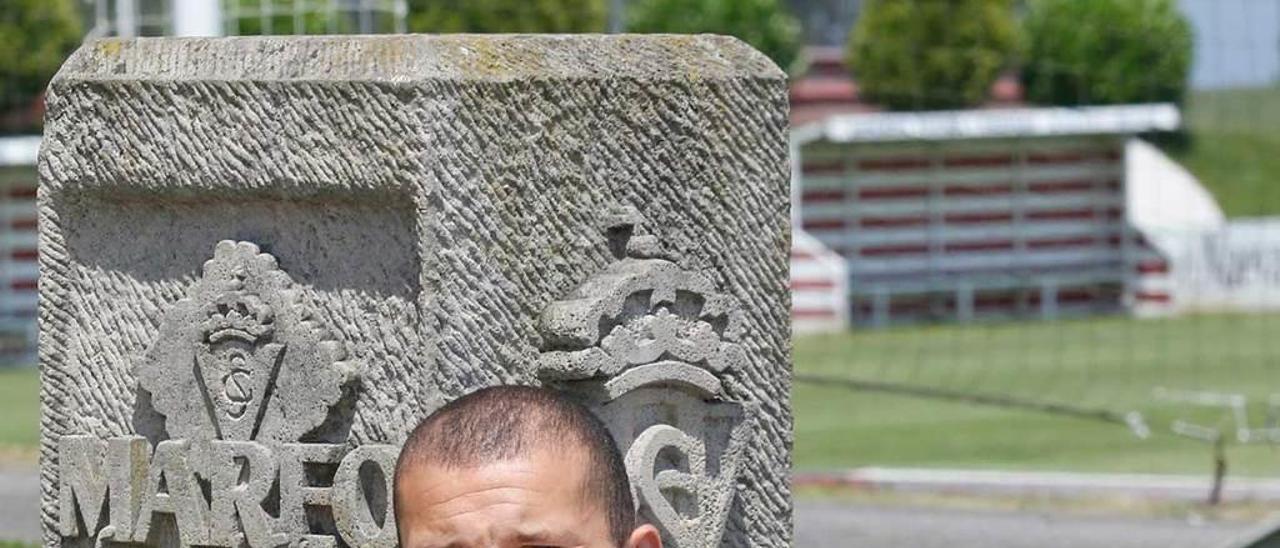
x,y
931,54
35,36
1106,51
507,15
280,19
765,24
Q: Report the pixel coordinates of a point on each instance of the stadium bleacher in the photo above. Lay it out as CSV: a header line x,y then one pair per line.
x,y
963,215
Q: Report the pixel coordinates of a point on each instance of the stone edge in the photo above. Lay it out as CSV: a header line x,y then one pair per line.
x,y
418,58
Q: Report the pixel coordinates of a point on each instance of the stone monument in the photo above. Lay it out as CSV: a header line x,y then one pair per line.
x,y
263,260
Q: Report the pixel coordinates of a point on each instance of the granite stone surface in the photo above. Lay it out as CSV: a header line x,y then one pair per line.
x,y
263,260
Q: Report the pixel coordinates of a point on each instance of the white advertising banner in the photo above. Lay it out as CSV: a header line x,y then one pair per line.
x,y
1235,267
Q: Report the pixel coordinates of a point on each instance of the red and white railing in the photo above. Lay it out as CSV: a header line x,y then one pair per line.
x,y
19,270
819,286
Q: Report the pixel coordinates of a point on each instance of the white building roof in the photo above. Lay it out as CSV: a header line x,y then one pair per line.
x,y
990,123
898,126
19,151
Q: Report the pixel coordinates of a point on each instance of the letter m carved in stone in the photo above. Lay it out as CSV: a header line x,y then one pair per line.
x,y
96,474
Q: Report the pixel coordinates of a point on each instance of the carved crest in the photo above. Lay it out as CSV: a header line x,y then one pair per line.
x,y
240,358
646,342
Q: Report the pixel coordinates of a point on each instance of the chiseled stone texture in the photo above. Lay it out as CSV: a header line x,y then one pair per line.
x,y
428,197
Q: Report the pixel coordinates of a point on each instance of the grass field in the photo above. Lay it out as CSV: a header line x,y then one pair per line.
x,y
19,410
1110,363
1235,148
1104,363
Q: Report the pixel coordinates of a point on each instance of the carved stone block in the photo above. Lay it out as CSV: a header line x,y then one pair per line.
x,y
265,259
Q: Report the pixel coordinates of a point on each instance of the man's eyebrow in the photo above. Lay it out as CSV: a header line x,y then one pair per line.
x,y
435,543
544,538
430,544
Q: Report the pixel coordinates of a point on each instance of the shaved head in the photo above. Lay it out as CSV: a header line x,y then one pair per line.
x,y
513,423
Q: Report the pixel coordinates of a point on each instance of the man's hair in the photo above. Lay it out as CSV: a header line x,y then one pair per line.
x,y
506,422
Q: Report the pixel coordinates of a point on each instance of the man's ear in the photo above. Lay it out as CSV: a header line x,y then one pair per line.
x,y
645,536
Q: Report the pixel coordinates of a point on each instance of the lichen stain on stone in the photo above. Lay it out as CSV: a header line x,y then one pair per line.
x,y
683,44
488,58
483,59
110,47
387,53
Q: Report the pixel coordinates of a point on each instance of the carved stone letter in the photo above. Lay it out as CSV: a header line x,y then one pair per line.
x,y
95,471
84,485
298,491
172,489
242,475
366,473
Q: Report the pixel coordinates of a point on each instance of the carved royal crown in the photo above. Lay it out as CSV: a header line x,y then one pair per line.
x,y
647,343
642,309
237,315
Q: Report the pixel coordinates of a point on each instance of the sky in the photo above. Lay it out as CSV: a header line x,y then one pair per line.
x,y
1237,42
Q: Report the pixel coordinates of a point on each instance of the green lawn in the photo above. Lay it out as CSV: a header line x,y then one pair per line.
x,y
19,409
1235,148
1106,363
1112,363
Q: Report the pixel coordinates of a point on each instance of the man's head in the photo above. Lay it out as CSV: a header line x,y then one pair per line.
x,y
515,466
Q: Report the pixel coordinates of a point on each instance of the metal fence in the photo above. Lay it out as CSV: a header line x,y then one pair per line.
x,y
242,17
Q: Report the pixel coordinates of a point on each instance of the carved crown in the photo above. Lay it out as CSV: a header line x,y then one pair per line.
x,y
623,340
237,315
643,309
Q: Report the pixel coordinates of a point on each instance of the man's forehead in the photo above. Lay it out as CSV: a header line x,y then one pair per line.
x,y
552,453
498,525
540,472
533,499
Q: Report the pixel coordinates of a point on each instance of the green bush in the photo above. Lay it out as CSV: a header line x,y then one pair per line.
x,y
35,37
1106,52
282,20
513,16
765,24
931,54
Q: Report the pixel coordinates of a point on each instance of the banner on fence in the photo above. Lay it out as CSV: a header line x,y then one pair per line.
x,y
1234,267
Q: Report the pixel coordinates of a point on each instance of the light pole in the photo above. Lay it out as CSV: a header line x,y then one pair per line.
x,y
197,18
617,16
